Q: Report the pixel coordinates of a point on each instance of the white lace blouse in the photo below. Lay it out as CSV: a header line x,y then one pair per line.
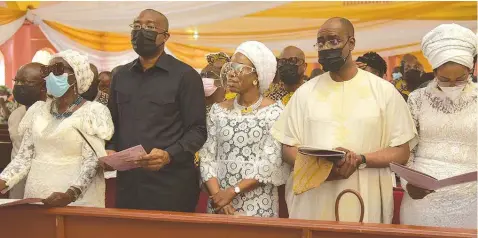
x,y
447,147
53,155
241,147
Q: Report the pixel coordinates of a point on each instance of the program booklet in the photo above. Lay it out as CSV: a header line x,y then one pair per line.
x,y
124,160
332,155
426,181
15,202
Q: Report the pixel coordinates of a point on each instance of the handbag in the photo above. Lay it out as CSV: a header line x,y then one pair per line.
x,y
337,203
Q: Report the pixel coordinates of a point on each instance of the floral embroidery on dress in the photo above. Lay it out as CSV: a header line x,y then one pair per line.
x,y
241,147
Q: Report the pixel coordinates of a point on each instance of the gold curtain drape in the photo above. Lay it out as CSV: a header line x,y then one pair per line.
x,y
8,15
375,10
98,40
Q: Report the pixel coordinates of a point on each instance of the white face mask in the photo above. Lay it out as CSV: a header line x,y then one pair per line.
x,y
453,92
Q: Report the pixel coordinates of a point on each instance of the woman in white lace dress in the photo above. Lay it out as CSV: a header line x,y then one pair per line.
x,y
241,163
445,113
60,165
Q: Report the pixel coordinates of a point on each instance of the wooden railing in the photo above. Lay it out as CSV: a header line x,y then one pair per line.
x,y
75,222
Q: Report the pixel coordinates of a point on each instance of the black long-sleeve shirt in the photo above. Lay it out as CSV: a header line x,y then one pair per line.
x,y
162,107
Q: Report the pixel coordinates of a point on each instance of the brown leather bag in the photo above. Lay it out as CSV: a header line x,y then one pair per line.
x,y
337,203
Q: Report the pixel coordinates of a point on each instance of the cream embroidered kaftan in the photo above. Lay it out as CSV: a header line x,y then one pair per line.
x,y
364,114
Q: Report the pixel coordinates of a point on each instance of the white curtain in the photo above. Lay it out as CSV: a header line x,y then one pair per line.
x,y
117,16
7,30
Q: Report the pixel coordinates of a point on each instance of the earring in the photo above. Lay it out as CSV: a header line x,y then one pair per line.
x,y
254,82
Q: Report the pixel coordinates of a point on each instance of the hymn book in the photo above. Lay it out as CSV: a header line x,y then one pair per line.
x,y
426,181
332,155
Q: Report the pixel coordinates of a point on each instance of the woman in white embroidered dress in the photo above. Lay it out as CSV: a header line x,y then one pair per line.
x,y
445,113
59,164
241,163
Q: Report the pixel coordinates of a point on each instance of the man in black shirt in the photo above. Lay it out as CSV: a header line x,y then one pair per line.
x,y
158,102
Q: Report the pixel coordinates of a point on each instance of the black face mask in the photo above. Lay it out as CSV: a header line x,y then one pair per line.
x,y
144,42
26,95
332,59
413,74
289,74
92,92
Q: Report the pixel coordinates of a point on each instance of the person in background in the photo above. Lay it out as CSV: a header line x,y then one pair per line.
x,y
316,72
158,102
373,63
241,163
62,139
29,88
213,89
350,110
92,92
411,70
396,75
425,79
215,63
291,68
104,87
7,104
445,114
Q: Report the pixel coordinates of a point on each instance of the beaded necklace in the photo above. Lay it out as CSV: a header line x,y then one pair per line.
x,y
68,112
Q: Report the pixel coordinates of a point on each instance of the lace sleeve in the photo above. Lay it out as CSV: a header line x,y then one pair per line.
x,y
97,122
19,167
270,168
207,154
414,104
88,170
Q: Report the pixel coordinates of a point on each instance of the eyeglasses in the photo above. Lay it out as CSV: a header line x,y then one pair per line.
x,y
147,27
327,44
292,60
234,70
458,82
57,69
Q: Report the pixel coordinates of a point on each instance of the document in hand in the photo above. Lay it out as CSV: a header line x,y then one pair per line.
x,y
14,202
426,181
124,160
332,155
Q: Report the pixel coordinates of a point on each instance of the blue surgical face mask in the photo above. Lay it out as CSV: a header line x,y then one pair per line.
x,y
57,85
396,76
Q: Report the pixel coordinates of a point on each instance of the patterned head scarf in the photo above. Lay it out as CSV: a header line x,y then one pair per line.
x,y
263,60
213,57
450,42
81,67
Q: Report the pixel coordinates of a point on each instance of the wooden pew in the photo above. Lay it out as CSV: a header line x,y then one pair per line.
x,y
75,222
5,150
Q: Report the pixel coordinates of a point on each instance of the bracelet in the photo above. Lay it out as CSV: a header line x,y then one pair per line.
x,y
76,195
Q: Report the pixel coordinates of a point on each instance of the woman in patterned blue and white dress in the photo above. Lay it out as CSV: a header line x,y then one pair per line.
x,y
241,163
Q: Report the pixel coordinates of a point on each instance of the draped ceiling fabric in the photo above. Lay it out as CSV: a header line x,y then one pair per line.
x,y
101,28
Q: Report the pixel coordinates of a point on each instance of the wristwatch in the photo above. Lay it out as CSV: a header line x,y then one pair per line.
x,y
363,164
237,190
